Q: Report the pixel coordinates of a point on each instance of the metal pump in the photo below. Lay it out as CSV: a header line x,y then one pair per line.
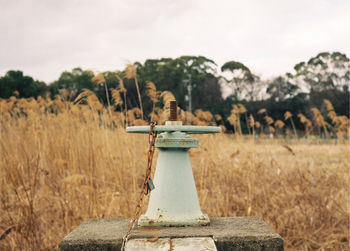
x,y
174,200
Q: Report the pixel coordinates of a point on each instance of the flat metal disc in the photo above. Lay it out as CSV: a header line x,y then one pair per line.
x,y
189,129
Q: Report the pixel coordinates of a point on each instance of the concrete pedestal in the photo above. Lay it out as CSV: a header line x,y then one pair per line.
x,y
232,233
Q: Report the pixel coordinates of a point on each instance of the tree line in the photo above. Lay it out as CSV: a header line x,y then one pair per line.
x,y
201,82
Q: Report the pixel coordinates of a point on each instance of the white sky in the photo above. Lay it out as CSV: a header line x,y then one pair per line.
x,y
45,37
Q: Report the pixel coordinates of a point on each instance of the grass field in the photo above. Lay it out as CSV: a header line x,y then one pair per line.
x,y
61,167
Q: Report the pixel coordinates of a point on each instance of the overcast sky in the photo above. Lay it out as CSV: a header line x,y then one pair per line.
x,y
45,37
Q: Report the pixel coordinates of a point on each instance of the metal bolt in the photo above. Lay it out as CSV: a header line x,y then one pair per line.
x,y
173,111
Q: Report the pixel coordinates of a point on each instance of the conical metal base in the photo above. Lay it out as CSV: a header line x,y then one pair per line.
x,y
174,201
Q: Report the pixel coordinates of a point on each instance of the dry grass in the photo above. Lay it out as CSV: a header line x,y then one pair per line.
x,y
61,164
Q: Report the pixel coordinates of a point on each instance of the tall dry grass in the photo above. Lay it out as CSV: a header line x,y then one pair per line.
x,y
62,163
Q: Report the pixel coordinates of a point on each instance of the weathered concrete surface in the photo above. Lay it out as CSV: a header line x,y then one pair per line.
x,y
232,233
162,244
176,244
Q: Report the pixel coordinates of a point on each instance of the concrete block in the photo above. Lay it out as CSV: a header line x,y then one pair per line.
x,y
176,244
162,244
229,233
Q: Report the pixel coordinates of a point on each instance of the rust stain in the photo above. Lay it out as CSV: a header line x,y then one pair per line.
x,y
154,239
171,245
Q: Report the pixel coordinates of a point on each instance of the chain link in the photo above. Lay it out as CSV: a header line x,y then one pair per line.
x,y
145,188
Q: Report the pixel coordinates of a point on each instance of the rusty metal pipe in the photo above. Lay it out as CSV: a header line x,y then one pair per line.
x,y
173,111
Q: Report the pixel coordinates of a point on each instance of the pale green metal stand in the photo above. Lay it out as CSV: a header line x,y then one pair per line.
x,y
174,201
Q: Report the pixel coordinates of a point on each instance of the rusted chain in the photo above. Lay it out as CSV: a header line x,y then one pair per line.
x,y
145,187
